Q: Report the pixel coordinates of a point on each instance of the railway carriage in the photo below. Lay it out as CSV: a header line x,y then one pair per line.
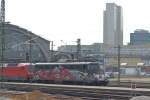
x,y
88,73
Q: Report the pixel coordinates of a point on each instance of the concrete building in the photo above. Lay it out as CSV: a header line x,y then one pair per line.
x,y
113,25
130,54
20,43
134,59
85,49
140,37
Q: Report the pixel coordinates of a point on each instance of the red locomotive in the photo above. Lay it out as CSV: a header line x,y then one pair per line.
x,y
15,72
89,73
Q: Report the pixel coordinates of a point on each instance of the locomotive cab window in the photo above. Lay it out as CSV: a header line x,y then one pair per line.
x,y
93,68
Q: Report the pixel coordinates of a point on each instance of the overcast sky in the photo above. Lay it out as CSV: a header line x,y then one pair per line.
x,y
68,20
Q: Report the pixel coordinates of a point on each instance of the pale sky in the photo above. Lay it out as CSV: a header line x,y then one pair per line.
x,y
68,20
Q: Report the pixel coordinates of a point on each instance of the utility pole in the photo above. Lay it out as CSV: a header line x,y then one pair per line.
x,y
118,64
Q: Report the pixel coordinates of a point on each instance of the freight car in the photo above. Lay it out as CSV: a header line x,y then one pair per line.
x,y
87,73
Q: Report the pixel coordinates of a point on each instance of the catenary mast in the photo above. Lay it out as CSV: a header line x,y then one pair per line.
x,y
2,15
2,36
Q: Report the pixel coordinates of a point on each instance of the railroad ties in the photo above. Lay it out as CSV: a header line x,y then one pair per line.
x,y
130,84
84,92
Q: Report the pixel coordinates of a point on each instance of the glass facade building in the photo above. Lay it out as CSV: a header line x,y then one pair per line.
x,y
140,37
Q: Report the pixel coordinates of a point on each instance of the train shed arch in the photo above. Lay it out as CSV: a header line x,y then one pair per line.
x,y
19,43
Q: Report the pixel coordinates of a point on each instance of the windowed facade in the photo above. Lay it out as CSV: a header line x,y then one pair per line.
x,y
139,37
22,45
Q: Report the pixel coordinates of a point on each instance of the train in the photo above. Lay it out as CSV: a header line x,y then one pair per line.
x,y
79,73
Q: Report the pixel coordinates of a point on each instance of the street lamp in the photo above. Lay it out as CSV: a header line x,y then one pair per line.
x,y
70,50
78,48
63,42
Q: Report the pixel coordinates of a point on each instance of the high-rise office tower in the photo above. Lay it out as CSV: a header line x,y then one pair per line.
x,y
113,25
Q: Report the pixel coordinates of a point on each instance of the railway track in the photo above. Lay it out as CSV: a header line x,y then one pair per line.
x,y
84,92
130,84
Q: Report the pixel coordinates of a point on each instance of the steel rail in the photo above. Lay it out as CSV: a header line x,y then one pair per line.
x,y
88,92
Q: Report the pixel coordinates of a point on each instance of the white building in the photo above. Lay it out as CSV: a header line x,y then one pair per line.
x,y
113,25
